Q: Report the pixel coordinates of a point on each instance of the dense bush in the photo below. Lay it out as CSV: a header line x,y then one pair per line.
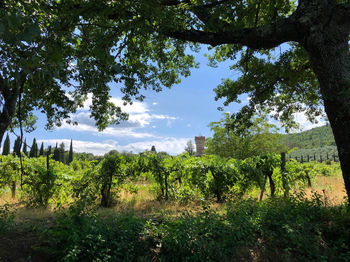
x,y
279,229
84,236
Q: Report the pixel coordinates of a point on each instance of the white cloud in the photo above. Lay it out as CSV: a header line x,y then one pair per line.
x,y
136,107
112,131
139,117
305,124
170,145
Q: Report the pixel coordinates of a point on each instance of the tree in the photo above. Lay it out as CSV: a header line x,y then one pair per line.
x,y
153,149
41,152
48,47
25,147
145,44
34,149
70,156
313,70
56,154
259,139
17,147
6,148
62,150
190,148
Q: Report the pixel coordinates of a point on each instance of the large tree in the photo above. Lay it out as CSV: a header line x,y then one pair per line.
x,y
293,55
54,54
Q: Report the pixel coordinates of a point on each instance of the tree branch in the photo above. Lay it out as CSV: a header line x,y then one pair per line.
x,y
343,12
262,37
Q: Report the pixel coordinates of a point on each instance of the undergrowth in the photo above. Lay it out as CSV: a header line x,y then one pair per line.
x,y
293,229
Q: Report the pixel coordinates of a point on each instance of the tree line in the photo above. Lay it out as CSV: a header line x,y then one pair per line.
x,y
59,152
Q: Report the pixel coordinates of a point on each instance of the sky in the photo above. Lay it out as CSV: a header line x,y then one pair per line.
x,y
167,120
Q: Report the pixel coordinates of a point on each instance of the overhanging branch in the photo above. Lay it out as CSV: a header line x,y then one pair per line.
x,y
263,37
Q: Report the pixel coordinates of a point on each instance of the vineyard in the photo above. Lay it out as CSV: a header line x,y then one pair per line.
x,y
257,198
41,182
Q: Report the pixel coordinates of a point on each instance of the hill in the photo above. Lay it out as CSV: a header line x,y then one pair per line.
x,y
313,138
314,144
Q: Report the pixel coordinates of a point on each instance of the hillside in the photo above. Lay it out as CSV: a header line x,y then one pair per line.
x,y
313,138
314,144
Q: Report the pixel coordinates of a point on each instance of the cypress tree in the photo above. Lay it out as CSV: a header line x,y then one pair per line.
x,y
34,149
25,147
41,153
6,148
17,147
70,156
153,149
56,154
62,149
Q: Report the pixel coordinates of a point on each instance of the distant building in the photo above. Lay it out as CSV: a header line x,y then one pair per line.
x,y
200,140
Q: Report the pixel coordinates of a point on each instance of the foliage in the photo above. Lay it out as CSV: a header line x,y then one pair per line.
x,y
41,151
6,147
25,147
190,148
17,146
317,137
9,170
110,173
70,156
43,185
34,149
84,236
287,229
240,143
6,218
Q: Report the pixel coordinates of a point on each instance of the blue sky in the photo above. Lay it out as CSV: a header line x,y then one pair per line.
x,y
167,119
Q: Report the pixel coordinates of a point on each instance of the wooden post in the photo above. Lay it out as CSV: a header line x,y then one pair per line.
x,y
13,189
284,175
48,161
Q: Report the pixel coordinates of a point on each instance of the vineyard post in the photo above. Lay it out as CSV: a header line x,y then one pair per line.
x,y
308,158
284,174
302,159
48,160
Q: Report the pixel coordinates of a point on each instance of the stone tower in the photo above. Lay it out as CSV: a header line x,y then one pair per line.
x,y
200,140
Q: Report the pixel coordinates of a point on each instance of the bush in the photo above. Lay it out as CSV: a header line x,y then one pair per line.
x,y
85,236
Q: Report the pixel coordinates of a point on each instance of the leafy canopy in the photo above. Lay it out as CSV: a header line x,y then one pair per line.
x,y
240,143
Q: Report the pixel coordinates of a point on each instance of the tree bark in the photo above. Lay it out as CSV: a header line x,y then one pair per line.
x,y
330,59
8,111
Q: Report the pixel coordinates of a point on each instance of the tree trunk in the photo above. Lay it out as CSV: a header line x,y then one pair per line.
x,y
330,59
8,112
263,189
272,183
